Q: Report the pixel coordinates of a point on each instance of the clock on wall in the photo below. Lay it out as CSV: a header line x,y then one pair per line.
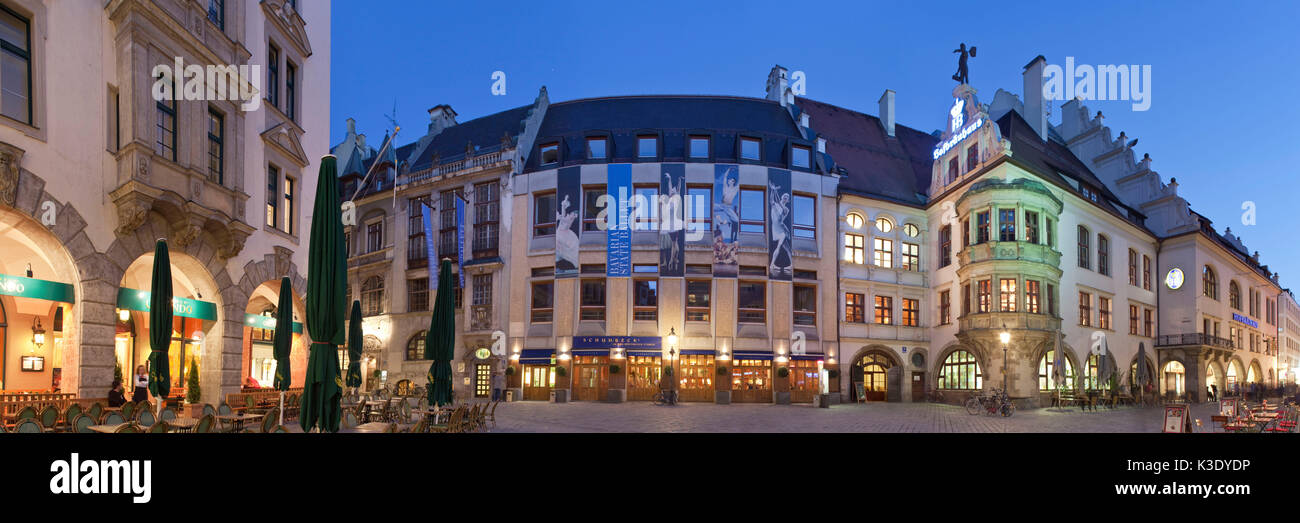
x,y
1174,279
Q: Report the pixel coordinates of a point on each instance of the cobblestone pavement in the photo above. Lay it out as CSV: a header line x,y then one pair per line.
x,y
531,416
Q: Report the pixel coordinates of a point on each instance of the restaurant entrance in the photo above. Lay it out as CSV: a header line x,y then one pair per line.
x,y
643,374
751,381
591,377
696,379
870,377
538,382
805,380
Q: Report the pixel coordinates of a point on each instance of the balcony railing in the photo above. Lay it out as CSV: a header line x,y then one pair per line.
x,y
460,164
1193,338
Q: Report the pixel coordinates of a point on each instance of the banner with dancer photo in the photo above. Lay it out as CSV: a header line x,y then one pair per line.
x,y
726,220
780,225
568,206
430,249
672,224
618,236
460,240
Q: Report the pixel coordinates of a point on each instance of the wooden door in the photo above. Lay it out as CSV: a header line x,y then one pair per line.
x,y
643,373
538,380
805,381
696,377
751,381
918,386
591,378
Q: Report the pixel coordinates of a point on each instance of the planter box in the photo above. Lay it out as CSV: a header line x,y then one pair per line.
x,y
834,398
783,398
193,410
560,395
722,397
615,396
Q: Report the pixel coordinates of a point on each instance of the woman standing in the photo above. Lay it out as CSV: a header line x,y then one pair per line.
x,y
141,392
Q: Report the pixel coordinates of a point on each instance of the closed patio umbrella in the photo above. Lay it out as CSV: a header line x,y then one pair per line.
x,y
283,341
1143,375
326,305
440,341
354,345
160,324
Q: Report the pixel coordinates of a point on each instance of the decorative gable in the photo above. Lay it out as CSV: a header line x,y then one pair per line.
x,y
280,13
285,138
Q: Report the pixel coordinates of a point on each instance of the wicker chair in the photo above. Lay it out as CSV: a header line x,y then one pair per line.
x,y
28,412
205,424
113,418
28,426
168,414
159,428
422,426
492,414
279,428
145,418
82,423
127,429
270,420
49,417
97,411
128,410
70,415
209,409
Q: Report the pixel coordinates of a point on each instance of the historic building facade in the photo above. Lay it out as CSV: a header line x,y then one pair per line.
x,y
98,165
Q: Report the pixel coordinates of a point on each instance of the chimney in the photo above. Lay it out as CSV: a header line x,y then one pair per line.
x,y
352,126
887,111
804,121
778,79
441,117
1035,110
361,144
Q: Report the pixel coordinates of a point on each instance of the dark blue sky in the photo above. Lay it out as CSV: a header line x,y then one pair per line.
x,y
1224,116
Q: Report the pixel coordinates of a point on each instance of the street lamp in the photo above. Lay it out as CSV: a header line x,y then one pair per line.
x,y
672,358
38,335
1006,338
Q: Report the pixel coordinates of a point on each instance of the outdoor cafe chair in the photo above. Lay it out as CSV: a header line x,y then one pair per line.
x,y
422,426
82,424
278,428
3,430
28,426
224,409
492,414
349,419
269,421
71,414
204,425
145,418
168,414
208,409
159,428
28,412
113,418
49,416
128,409
127,429
97,410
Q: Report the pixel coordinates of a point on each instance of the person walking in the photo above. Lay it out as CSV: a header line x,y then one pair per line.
x,y
1214,392
141,392
496,386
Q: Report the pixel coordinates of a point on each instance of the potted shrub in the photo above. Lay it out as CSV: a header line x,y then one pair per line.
x,y
613,368
560,371
193,406
722,371
833,373
782,372
510,371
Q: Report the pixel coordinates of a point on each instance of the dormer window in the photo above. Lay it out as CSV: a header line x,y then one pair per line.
x,y
550,153
596,148
647,147
749,149
699,147
800,156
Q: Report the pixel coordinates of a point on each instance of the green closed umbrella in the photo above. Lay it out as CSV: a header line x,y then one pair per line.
x,y
440,341
283,342
326,305
160,324
354,345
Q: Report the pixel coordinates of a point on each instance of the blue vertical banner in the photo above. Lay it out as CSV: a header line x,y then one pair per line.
x,y
568,204
460,240
780,225
672,223
430,249
618,236
726,220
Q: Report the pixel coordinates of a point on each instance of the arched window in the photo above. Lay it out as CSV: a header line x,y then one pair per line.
x,y
960,371
1083,247
1175,378
872,370
1045,371
1232,375
884,225
372,296
1234,295
911,230
1210,281
415,347
1092,375
854,220
1103,255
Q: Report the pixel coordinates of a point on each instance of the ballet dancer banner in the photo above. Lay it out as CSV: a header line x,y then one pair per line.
x,y
726,220
779,226
568,191
618,236
672,223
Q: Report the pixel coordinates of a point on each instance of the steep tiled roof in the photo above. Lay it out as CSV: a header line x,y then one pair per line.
x,y
874,164
485,133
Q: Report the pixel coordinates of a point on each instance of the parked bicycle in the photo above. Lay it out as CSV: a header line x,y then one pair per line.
x,y
665,397
934,396
995,403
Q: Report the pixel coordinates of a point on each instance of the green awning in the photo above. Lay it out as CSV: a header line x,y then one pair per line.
x,y
267,322
33,288
138,300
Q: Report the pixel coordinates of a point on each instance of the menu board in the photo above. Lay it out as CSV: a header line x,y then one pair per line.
x,y
1177,420
1228,407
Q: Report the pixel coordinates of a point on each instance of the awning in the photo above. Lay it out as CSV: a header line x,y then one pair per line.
x,y
590,352
536,356
138,300
645,353
808,357
37,289
706,352
751,355
625,342
267,322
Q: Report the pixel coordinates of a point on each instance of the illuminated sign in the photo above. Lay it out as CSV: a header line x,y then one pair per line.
x,y
944,147
267,322
1174,279
33,288
1242,319
138,300
625,342
958,116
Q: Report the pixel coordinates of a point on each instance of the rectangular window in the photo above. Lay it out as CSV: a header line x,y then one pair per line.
x,y
884,310
550,153
216,146
590,211
1031,227
698,293
447,224
954,169
804,216
911,257
645,208
1085,309
972,157
288,204
855,307
985,295
647,147
645,300
1146,272
482,289
945,245
749,149
1007,225
699,147
911,312
1051,299
1132,319
1149,323
965,233
543,301
374,236
114,106
965,299
854,248
1103,255
1048,232
290,90
273,75
805,305
417,295
272,195
945,307
217,13
16,67
165,139
800,156
593,300
1084,251
596,148
1132,268
699,209
1007,295
544,214
883,252
752,302
1103,312
1031,296
752,206
487,219
982,227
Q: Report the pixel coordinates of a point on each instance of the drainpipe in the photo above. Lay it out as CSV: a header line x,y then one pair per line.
x,y
839,317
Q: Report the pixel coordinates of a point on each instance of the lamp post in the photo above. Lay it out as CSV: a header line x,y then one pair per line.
x,y
1006,338
38,336
672,359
